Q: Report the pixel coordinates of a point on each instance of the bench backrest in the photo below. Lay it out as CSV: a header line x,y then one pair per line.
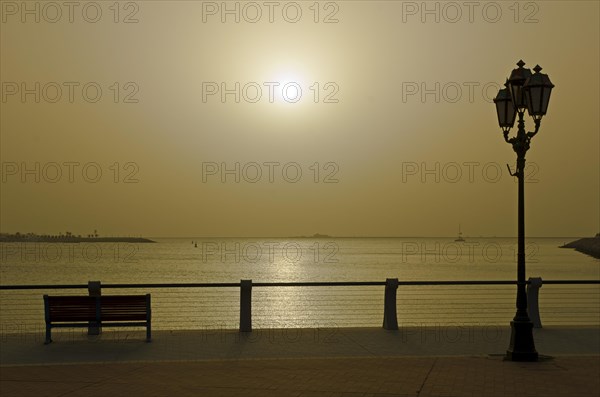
x,y
91,308
124,307
70,308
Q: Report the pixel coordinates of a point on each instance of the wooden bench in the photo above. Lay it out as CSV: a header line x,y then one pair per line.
x,y
101,311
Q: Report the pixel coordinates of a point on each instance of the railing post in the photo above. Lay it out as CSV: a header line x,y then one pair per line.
x,y
533,307
246,306
94,289
390,319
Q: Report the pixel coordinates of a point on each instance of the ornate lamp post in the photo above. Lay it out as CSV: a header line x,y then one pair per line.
x,y
532,92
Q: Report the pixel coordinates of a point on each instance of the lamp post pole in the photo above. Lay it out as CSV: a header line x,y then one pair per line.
x,y
522,346
531,92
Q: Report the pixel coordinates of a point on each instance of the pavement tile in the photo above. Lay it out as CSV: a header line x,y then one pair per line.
x,y
363,362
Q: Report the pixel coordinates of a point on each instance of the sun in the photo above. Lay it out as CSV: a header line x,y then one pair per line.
x,y
289,88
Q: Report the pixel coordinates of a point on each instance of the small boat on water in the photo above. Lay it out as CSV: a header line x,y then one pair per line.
x,y
460,237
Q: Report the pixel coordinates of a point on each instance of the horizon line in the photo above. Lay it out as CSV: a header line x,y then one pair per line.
x,y
328,236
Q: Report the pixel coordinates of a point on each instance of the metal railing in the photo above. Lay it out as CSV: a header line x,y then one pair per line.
x,y
234,306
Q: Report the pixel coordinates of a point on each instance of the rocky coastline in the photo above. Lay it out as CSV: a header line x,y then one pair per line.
x,y
588,245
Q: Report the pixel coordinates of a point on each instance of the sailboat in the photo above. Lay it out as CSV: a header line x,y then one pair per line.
x,y
460,237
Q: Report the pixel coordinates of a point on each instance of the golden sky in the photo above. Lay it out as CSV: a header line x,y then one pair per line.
x,y
112,118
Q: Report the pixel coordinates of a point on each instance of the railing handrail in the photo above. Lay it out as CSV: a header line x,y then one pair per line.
x,y
289,284
390,318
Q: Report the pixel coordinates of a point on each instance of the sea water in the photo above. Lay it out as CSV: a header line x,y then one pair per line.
x,y
265,260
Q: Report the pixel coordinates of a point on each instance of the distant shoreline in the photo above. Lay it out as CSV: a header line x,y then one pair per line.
x,y
71,239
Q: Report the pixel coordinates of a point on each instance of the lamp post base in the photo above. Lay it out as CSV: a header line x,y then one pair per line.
x,y
522,347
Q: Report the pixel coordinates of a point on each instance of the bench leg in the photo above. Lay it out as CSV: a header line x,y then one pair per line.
x,y
148,333
48,335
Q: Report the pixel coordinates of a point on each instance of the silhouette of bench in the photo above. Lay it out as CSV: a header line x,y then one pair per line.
x,y
101,311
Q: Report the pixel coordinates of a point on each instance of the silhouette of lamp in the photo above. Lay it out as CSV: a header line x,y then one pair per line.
x,y
532,92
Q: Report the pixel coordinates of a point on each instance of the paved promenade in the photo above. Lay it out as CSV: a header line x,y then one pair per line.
x,y
414,361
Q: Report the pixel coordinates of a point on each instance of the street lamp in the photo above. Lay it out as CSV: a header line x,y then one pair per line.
x,y
532,92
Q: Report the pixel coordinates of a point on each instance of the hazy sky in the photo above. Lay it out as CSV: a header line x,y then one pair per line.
x,y
394,131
